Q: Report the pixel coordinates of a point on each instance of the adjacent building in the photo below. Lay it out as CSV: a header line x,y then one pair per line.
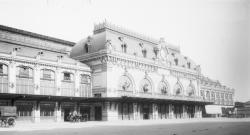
x,y
220,95
114,74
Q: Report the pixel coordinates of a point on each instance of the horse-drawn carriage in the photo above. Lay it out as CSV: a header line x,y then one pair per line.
x,y
76,117
7,116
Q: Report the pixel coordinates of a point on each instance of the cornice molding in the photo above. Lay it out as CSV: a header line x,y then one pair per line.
x,y
129,61
40,63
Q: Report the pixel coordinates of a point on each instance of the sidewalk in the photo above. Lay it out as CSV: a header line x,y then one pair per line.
x,y
28,126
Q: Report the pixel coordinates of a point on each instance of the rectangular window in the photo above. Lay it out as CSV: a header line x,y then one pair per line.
x,y
189,65
47,74
85,79
1,68
24,71
66,76
124,48
176,61
144,53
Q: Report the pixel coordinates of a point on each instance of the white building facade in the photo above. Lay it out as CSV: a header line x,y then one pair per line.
x,y
114,74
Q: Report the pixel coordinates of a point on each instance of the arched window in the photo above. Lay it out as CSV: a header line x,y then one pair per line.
x,y
202,93
124,47
85,79
86,47
230,96
163,88
190,90
208,95
177,89
47,82
24,80
213,95
3,69
146,86
144,53
217,95
176,61
68,84
47,74
125,83
24,72
189,65
222,95
3,78
85,89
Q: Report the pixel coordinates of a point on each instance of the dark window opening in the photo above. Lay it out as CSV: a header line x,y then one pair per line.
x,y
189,65
85,79
144,53
124,48
176,61
1,68
25,71
47,74
86,48
98,95
66,76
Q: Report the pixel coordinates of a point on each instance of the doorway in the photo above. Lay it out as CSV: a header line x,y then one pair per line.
x,y
66,114
98,113
145,111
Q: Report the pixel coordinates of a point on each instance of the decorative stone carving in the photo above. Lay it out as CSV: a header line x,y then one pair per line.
x,y
11,85
125,83
177,89
36,86
163,88
108,45
156,51
146,86
190,89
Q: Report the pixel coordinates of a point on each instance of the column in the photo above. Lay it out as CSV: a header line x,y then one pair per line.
x,y
155,111
198,112
77,84
112,112
171,112
58,81
58,112
12,77
36,112
184,111
92,112
135,111
37,80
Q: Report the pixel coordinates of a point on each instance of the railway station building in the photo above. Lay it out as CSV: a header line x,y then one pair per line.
x,y
113,74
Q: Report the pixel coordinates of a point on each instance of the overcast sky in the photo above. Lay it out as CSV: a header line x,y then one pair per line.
x,y
214,33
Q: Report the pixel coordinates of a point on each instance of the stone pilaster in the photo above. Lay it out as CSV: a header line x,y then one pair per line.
x,y
155,111
111,111
92,112
36,80
77,84
136,111
58,75
184,111
171,112
58,112
198,111
12,77
36,112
